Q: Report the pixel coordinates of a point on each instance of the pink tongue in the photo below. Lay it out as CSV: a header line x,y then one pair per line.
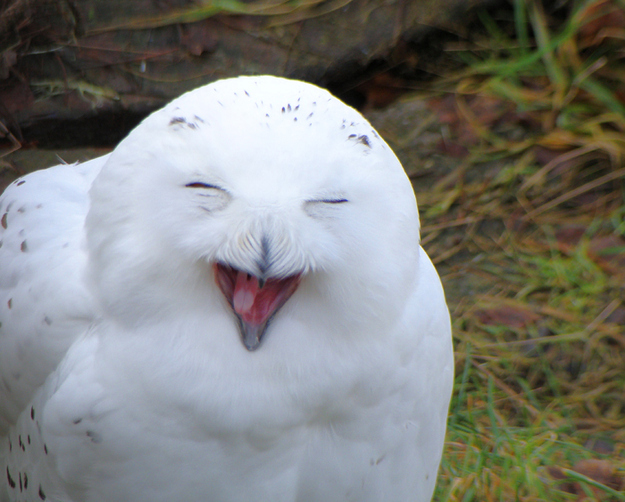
x,y
253,304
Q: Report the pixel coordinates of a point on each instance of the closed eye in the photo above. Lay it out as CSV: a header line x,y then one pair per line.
x,y
199,184
331,201
338,200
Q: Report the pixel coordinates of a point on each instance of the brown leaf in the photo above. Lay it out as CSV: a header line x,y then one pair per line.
x,y
609,253
507,315
603,18
601,471
568,236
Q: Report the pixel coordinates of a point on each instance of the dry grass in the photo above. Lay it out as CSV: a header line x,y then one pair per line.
x,y
529,233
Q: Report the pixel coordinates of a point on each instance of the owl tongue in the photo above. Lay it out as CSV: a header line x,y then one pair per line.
x,y
254,302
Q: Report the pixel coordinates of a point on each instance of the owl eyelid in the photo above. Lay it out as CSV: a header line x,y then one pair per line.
x,y
199,184
331,201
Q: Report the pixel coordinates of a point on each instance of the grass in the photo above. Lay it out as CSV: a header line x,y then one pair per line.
x,y
529,234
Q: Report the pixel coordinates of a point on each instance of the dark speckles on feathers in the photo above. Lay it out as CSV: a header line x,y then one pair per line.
x,y
25,481
10,303
32,413
76,421
3,220
23,247
183,122
19,476
45,448
94,436
47,320
247,93
362,138
20,183
10,479
42,495
283,109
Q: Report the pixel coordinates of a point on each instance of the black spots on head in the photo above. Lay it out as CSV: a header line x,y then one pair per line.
x,y
32,413
23,246
25,481
42,495
10,479
20,183
3,220
21,444
177,120
184,123
362,138
289,108
28,439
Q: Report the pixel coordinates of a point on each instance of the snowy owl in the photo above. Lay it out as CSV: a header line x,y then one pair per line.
x,y
233,305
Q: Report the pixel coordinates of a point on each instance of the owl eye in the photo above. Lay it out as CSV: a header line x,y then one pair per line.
x,y
332,201
199,184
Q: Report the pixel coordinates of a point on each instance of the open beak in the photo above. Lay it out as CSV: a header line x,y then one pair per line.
x,y
254,300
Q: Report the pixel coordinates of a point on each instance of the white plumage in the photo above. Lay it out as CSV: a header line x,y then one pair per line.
x,y
233,305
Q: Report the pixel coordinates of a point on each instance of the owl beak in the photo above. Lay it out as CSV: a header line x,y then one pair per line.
x,y
254,300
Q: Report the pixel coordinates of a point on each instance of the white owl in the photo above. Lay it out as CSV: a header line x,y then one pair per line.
x,y
231,306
